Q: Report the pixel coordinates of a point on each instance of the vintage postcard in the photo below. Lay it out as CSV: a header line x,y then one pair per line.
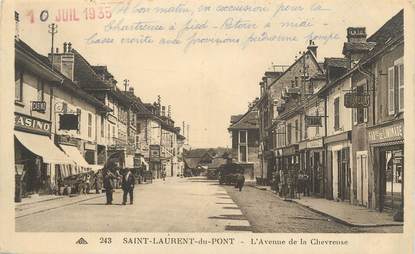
x,y
207,126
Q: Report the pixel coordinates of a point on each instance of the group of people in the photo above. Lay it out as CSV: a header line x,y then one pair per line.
x,y
127,184
290,184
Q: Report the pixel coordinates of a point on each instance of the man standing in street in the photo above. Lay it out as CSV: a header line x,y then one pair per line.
x,y
108,185
128,182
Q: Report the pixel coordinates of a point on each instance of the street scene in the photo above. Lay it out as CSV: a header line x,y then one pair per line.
x,y
206,134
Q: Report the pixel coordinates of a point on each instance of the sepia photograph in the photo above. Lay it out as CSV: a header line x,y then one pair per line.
x,y
226,117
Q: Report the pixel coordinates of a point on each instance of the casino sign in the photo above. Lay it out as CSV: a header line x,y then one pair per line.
x,y
31,124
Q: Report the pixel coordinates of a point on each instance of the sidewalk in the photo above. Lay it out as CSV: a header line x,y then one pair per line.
x,y
343,212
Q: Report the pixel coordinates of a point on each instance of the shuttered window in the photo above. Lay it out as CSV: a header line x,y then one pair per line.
x,y
401,87
391,91
336,114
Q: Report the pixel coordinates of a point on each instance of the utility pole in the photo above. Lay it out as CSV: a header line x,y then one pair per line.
x,y
126,83
188,128
53,29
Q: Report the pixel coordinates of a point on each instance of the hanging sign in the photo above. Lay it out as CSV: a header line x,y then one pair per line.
x,y
356,100
313,121
39,106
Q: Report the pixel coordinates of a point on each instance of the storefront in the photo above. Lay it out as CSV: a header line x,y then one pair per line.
x,y
338,167
313,162
38,161
386,143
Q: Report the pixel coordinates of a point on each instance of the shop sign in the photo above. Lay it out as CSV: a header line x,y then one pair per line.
x,y
68,122
302,145
290,150
387,133
317,143
313,121
89,146
65,139
154,153
356,100
31,124
39,106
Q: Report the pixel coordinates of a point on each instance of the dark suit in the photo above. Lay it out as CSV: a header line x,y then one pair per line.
x,y
128,182
109,186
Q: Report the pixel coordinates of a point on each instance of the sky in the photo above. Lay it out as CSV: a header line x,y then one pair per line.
x,y
204,81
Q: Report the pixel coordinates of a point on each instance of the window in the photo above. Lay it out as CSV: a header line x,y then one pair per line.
x,y
242,137
396,87
109,131
360,114
137,141
289,134
400,87
336,114
138,128
102,127
78,112
89,125
318,127
243,146
40,90
18,93
296,130
113,131
391,91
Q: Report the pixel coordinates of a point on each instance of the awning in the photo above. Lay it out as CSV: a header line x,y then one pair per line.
x,y
96,168
43,147
74,154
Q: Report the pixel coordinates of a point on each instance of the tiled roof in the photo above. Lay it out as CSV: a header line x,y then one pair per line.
x,y
196,153
247,121
236,118
336,62
192,162
391,31
85,74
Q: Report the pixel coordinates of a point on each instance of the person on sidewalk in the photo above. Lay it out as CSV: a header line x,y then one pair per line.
x,y
306,185
108,185
128,183
240,181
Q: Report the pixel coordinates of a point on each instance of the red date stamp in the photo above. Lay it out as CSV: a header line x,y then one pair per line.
x,y
70,14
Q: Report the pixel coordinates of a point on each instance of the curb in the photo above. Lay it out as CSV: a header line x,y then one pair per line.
x,y
59,206
39,201
341,221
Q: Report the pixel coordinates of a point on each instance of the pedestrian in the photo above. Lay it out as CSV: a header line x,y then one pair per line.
x,y
300,182
163,175
241,181
108,186
306,185
128,182
97,182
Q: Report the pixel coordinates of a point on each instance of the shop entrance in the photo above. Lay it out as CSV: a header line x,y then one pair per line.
x,y
392,170
344,177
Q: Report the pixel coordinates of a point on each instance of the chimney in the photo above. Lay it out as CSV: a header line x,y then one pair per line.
x,y
356,34
17,21
356,46
163,111
312,47
131,90
64,62
169,111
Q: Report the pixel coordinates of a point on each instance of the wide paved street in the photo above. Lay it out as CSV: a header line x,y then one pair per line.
x,y
183,205
176,205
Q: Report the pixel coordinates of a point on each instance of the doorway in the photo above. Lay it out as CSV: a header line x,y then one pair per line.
x,y
392,171
343,165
